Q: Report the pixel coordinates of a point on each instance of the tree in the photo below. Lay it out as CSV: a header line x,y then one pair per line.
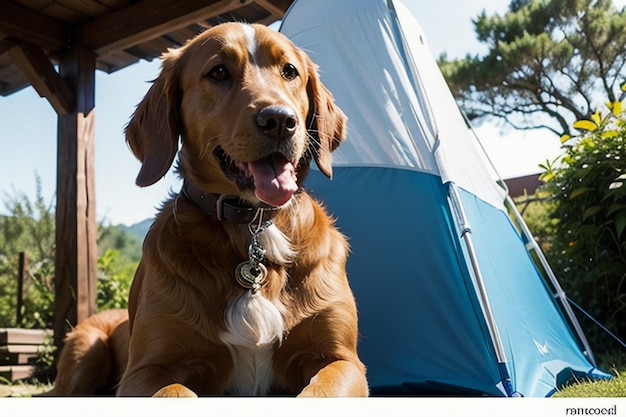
x,y
588,248
29,226
115,275
549,63
122,239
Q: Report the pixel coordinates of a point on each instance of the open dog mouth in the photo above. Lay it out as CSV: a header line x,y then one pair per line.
x,y
272,178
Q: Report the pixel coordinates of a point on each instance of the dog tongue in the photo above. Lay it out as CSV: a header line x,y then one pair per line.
x,y
274,179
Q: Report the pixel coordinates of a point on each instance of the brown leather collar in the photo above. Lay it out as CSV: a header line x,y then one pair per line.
x,y
227,208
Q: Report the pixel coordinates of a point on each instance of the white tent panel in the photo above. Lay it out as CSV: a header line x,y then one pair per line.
x,y
370,86
401,112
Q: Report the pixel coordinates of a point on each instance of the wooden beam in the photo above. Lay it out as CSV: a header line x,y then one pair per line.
x,y
276,11
40,72
76,227
5,46
147,20
32,27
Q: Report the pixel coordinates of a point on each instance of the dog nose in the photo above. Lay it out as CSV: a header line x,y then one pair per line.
x,y
277,122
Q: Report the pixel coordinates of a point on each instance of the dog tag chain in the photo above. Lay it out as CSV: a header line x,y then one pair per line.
x,y
252,274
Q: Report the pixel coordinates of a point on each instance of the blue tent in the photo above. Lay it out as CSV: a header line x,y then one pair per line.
x,y
450,299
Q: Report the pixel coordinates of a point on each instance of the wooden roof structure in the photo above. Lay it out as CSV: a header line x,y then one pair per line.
x,y
55,46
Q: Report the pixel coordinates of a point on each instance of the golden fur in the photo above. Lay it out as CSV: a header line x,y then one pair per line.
x,y
193,329
94,355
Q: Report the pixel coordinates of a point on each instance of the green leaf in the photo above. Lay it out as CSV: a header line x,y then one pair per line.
x,y
615,192
613,267
620,223
587,143
579,191
610,134
597,117
590,212
587,230
586,125
617,108
543,195
546,176
615,207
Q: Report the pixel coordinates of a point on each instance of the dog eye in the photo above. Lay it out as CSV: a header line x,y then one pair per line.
x,y
289,72
218,73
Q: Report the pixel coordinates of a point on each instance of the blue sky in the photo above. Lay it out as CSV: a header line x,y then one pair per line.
x,y
28,124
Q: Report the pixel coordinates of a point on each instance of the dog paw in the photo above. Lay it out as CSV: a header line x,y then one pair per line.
x,y
175,390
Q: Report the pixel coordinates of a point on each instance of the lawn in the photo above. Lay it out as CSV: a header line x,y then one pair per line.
x,y
21,389
615,387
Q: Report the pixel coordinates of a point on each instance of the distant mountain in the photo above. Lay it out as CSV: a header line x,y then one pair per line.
x,y
139,229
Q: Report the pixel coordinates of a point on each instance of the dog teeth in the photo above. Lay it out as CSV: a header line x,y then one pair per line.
x,y
244,168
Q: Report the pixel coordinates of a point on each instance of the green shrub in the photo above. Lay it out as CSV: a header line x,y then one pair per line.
x,y
115,274
588,249
537,213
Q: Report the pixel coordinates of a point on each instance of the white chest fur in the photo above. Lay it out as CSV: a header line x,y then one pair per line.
x,y
254,326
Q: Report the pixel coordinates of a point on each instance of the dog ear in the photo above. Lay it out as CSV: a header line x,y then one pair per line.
x,y
154,128
325,121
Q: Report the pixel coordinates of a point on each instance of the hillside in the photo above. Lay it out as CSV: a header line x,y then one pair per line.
x,y
138,229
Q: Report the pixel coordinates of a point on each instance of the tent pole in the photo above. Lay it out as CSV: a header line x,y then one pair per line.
x,y
532,245
465,234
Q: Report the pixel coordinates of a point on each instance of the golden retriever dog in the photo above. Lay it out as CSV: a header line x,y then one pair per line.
x,y
242,288
94,356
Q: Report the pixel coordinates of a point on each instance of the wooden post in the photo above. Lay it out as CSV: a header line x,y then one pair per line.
x,y
21,279
76,227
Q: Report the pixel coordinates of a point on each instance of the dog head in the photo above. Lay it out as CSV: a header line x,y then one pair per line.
x,y
250,110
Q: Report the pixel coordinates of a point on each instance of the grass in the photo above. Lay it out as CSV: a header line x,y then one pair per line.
x,y
21,388
608,388
613,361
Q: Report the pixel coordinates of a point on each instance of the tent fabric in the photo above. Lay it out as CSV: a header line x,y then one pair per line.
x,y
537,339
400,106
417,202
419,319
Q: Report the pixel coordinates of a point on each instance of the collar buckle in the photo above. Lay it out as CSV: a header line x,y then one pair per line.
x,y
219,206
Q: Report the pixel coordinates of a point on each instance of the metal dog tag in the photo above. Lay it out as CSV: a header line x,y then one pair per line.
x,y
251,276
